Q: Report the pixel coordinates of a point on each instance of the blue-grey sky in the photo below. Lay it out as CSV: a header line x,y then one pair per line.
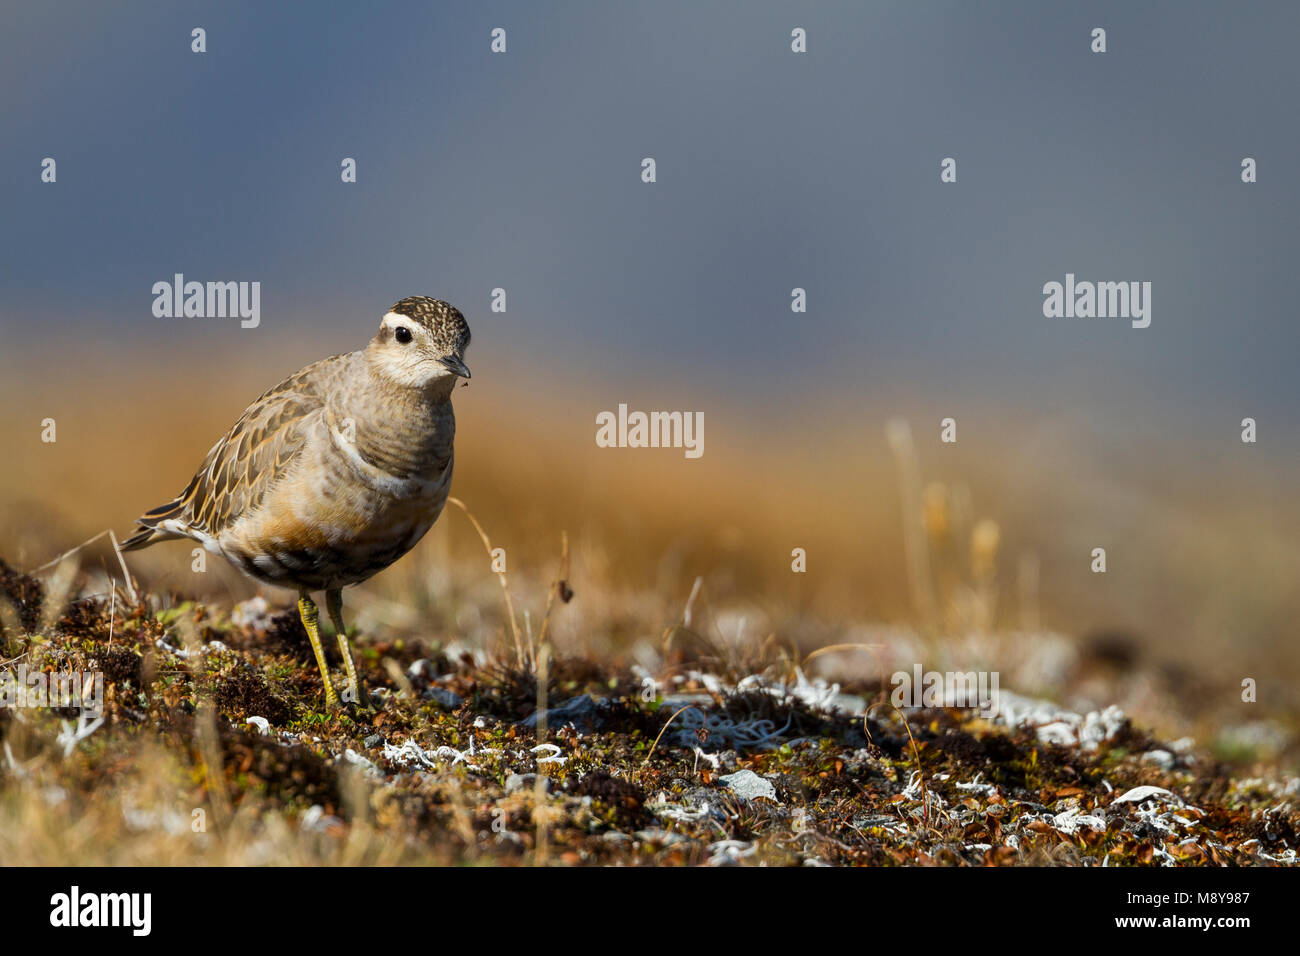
x,y
775,170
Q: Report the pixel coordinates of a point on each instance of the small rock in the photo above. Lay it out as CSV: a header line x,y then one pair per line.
x,y
1138,794
443,697
524,781
261,723
749,786
730,852
374,740
254,613
422,667
1161,758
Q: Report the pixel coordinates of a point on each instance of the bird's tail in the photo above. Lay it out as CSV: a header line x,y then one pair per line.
x,y
150,528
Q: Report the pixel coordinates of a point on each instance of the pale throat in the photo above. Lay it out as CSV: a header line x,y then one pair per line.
x,y
424,378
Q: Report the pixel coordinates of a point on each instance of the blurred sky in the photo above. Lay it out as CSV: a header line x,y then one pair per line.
x,y
775,170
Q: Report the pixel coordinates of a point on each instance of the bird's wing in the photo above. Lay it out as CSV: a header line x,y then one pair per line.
x,y
248,460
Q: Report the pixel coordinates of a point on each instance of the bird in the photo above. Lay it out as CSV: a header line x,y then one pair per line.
x,y
335,473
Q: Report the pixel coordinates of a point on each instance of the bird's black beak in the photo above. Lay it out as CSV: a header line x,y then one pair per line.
x,y
454,365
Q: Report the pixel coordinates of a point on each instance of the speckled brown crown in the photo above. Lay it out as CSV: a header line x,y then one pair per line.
x,y
444,322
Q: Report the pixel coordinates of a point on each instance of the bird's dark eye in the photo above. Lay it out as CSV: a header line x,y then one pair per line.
x,y
402,334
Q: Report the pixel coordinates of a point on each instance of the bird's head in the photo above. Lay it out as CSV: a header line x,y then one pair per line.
x,y
421,342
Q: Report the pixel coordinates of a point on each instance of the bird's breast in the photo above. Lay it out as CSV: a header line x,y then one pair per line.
x,y
339,516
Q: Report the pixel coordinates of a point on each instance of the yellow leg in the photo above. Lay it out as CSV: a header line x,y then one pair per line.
x,y
334,601
307,610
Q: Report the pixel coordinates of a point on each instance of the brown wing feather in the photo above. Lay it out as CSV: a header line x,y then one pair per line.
x,y
238,470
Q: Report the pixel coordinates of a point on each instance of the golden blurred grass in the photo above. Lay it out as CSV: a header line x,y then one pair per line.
x,y
1202,570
